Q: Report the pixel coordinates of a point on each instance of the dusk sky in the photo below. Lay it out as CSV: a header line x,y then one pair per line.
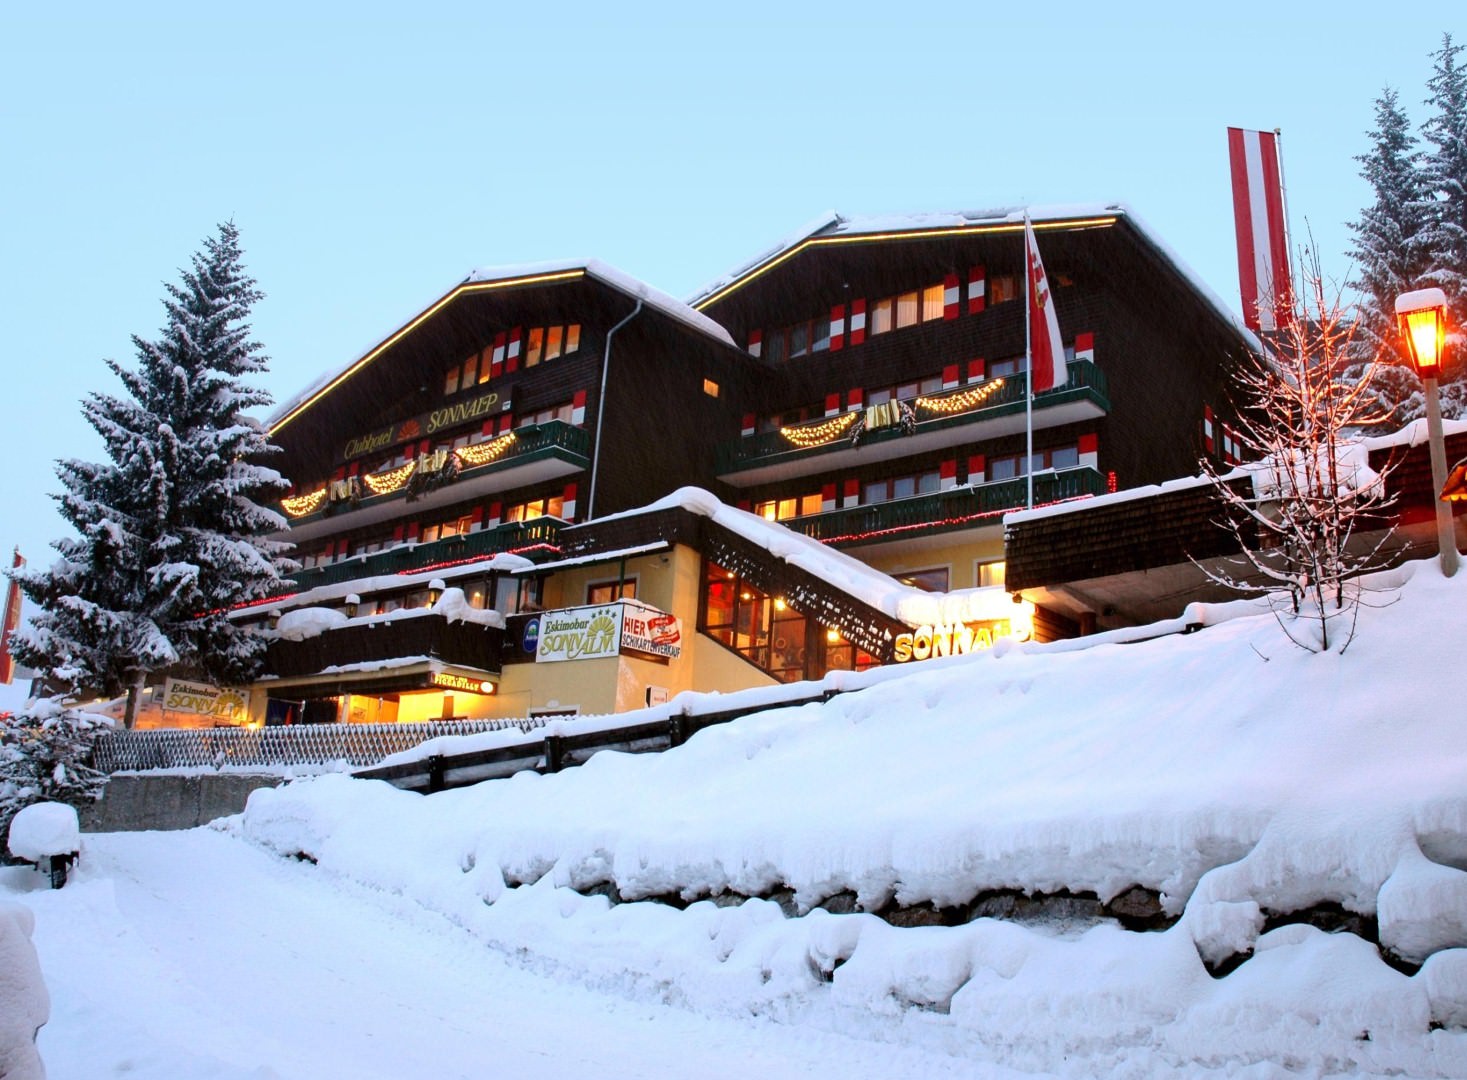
x,y
372,157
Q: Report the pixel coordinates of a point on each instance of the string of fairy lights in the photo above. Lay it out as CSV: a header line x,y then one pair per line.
x,y
388,481
836,427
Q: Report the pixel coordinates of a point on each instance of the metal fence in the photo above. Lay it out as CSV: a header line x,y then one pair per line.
x,y
304,744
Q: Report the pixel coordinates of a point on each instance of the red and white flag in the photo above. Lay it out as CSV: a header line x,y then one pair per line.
x,y
8,624
1046,349
1258,214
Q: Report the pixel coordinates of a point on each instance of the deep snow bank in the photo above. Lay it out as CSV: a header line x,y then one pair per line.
x,y
1238,775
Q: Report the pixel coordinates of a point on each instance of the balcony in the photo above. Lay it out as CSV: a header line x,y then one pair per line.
x,y
426,635
942,422
513,536
536,453
945,511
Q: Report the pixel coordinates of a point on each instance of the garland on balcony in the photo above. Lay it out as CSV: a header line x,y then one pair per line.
x,y
298,506
389,480
826,431
887,414
471,457
433,471
961,401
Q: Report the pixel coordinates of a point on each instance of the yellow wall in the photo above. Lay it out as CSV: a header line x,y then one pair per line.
x,y
960,559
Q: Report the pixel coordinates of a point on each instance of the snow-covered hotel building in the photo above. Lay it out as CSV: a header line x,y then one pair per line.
x,y
558,489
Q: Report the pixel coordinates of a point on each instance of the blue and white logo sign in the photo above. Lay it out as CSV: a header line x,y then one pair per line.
x,y
530,640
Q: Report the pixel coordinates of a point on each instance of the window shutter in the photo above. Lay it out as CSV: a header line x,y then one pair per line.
x,y
977,283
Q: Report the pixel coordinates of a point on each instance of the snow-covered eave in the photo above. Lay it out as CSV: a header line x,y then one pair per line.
x,y
833,227
592,560
544,272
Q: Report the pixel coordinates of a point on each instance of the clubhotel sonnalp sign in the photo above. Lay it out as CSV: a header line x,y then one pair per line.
x,y
953,639
428,423
225,706
589,633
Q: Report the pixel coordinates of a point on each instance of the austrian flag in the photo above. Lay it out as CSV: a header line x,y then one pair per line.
x,y
1046,349
1258,216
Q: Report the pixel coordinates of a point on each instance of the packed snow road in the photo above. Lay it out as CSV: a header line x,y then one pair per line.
x,y
189,955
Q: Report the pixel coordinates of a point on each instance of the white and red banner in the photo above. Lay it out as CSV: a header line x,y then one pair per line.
x,y
9,622
1258,214
1046,348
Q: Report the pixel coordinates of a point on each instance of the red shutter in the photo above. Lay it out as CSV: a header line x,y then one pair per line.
x,y
512,355
749,425
477,517
412,532
832,404
827,497
353,468
837,327
977,466
488,428
756,342
977,283
496,367
950,376
504,422
339,474
1089,444
853,399
950,303
947,474
858,321
976,370
852,492
743,504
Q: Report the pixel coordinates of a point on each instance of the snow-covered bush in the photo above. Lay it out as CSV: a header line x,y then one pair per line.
x,y
45,756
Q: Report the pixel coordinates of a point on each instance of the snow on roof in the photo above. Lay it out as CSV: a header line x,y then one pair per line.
x,y
833,224
1413,434
598,557
594,268
906,603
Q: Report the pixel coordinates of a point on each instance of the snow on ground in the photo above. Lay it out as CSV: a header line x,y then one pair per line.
x,y
1239,776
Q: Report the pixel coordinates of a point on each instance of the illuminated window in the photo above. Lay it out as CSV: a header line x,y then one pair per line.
x,y
1003,288
554,506
471,372
561,412
710,388
881,316
572,338
554,336
450,381
784,509
534,347
992,574
932,303
907,309
604,592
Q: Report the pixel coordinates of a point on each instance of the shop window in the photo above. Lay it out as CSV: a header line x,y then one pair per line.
x,y
934,580
604,592
992,574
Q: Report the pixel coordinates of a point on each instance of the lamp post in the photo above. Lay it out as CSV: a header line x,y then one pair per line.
x,y
1421,318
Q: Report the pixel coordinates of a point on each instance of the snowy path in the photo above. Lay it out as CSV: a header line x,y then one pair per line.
x,y
184,955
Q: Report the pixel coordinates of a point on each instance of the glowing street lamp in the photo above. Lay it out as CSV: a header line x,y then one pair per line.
x,y
1422,319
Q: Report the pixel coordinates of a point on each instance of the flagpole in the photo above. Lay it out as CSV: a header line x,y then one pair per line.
x,y
1028,367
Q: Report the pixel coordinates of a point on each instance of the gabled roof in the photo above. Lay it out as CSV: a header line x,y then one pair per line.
x,y
497,277
836,228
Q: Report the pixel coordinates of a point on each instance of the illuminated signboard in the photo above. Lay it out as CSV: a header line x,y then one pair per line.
x,y
447,681
955,639
602,630
429,423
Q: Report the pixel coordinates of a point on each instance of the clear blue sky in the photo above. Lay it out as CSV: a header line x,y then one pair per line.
x,y
372,156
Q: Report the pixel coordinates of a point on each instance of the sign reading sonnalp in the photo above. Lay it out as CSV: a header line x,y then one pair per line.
x,y
222,705
602,630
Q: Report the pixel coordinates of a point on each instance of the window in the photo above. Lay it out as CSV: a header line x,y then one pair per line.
x,y
553,506
1006,368
1003,288
554,336
1012,465
787,343
560,412
604,592
934,580
900,487
784,509
471,372
450,381
907,310
932,303
881,315
710,388
534,346
991,574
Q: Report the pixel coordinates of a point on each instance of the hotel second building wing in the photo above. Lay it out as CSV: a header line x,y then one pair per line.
x,y
559,490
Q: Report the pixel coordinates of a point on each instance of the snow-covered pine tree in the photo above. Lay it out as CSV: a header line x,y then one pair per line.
x,y
1444,176
171,534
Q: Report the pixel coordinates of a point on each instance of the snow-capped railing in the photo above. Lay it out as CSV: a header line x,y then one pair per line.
x,y
300,744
